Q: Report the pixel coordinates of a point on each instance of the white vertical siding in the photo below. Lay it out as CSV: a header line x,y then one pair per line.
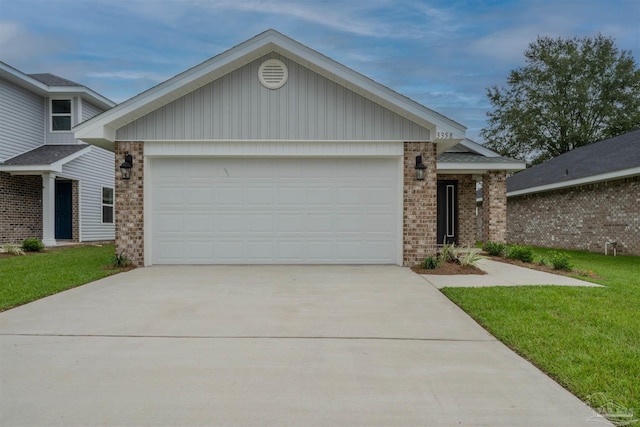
x,y
21,120
93,170
237,106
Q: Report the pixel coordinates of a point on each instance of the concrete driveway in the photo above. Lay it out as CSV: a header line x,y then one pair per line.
x,y
266,346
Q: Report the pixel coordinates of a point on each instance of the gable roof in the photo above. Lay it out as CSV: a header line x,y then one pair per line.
x,y
611,158
45,158
49,84
470,157
101,130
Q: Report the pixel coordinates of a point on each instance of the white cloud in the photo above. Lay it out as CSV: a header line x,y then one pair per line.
x,y
19,46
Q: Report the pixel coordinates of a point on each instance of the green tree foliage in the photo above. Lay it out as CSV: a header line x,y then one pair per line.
x,y
570,93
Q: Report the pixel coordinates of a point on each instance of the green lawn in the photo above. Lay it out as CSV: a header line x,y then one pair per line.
x,y
587,339
27,278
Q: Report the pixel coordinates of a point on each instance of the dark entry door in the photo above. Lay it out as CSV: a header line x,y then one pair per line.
x,y
64,208
447,212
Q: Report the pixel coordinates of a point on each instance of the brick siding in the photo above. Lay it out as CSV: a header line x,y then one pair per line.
x,y
20,207
584,217
466,208
129,203
419,204
494,215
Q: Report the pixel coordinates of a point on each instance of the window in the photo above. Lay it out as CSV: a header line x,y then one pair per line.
x,y
107,205
60,115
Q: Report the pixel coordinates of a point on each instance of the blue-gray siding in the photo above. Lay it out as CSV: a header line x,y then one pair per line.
x,y
21,113
94,171
89,110
238,107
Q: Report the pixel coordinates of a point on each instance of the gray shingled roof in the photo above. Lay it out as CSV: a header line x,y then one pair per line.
x,y
53,80
456,157
44,155
606,156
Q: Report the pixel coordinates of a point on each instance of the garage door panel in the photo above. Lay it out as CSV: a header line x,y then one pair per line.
x,y
230,211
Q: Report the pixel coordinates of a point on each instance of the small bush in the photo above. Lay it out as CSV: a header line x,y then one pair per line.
x,y
120,261
560,261
431,262
521,253
494,248
12,249
469,257
32,245
448,253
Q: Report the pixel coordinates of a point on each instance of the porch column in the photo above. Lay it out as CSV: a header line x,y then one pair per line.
x,y
49,209
494,206
420,204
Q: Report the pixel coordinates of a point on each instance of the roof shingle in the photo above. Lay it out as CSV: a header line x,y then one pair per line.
x,y
44,155
609,155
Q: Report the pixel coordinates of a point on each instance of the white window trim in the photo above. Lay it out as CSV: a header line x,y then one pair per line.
x,y
112,205
52,114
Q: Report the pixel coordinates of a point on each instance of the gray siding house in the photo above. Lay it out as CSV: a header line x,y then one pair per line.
x,y
272,153
52,186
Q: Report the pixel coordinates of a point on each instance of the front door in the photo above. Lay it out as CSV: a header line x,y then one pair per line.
x,y
64,210
447,212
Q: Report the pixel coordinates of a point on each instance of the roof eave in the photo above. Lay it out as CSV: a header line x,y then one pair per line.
x,y
625,173
479,167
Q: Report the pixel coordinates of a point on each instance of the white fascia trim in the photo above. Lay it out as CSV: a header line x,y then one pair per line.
x,y
625,173
94,130
447,167
29,169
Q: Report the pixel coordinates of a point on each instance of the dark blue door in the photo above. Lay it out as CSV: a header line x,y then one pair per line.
x,y
64,208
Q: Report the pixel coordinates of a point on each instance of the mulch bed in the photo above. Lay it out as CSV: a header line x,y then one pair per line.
x,y
449,268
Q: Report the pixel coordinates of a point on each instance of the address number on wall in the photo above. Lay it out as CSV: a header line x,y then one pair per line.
x,y
444,135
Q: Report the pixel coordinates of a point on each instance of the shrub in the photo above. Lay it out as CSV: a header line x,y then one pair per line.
x,y
120,261
560,261
448,253
494,248
469,257
12,249
32,245
521,253
431,262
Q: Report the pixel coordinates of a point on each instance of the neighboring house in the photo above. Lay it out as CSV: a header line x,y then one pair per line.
x,y
272,153
52,187
582,199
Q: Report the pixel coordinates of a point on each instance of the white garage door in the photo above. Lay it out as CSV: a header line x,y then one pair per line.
x,y
274,211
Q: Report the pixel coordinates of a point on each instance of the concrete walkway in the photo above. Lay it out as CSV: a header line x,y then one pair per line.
x,y
265,346
503,274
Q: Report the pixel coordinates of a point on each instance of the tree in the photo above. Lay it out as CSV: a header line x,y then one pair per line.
x,y
570,93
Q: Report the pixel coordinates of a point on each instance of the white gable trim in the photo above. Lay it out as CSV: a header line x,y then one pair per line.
x,y
101,129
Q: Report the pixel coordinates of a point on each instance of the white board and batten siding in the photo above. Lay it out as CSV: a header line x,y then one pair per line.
x,y
309,107
93,170
21,127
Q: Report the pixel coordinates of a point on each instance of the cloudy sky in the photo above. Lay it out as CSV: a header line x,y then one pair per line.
x,y
440,53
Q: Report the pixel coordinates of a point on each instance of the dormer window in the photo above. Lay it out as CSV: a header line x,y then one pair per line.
x,y
60,115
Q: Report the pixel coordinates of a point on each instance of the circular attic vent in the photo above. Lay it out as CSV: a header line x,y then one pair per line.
x,y
273,74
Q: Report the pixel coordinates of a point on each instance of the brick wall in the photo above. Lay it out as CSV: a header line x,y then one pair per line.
x,y
129,207
20,207
419,204
582,217
494,205
466,208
